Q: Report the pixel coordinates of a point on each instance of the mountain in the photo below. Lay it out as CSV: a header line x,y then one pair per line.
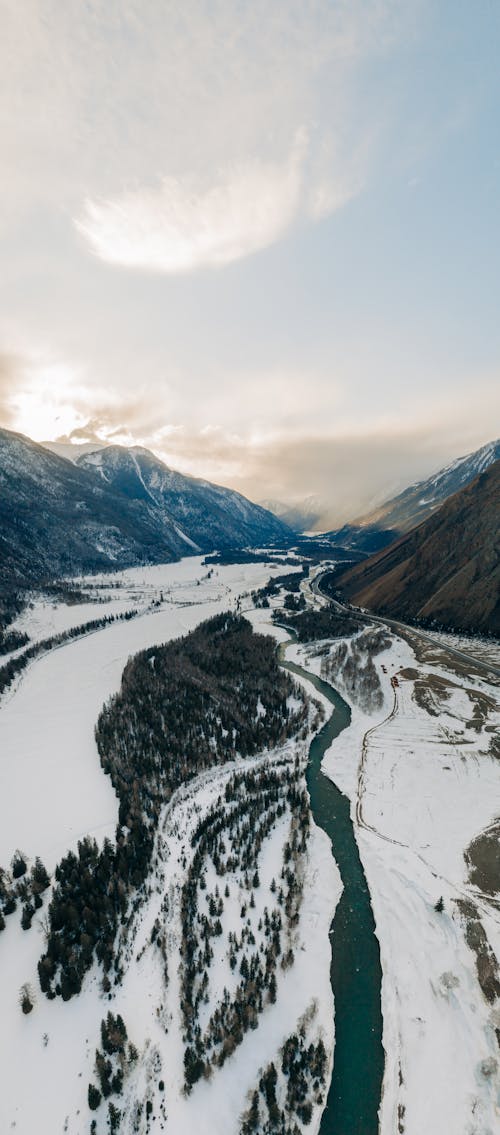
x,y
421,499
300,517
72,450
446,569
110,510
56,518
380,527
206,515
357,539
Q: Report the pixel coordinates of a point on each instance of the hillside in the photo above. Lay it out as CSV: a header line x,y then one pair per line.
x,y
420,500
378,528
447,569
122,508
208,515
302,516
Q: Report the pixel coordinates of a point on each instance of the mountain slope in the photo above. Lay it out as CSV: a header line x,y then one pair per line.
x,y
56,518
420,500
208,515
357,538
111,510
300,517
446,569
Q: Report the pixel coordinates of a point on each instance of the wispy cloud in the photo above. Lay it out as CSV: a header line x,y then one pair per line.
x,y
247,121
179,227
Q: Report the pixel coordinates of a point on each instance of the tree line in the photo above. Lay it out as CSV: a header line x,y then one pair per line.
x,y
182,707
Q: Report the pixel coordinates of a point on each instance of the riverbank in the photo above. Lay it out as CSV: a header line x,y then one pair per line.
x,y
60,788
354,1095
424,782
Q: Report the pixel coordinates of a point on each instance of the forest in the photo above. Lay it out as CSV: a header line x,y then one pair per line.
x,y
327,622
227,844
183,707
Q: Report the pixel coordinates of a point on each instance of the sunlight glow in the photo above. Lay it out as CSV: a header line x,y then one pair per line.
x,y
45,407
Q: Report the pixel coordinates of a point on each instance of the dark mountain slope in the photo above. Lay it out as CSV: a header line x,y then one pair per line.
x,y
446,569
56,518
114,508
208,515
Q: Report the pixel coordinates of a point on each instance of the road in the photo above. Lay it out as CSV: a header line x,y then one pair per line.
x,y
403,628
487,904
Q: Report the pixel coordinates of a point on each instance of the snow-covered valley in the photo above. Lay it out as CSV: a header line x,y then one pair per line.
x,y
53,794
421,770
47,718
422,773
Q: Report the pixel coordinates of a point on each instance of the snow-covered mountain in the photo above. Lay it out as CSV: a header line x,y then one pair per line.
x,y
446,569
419,500
117,507
380,527
301,516
204,515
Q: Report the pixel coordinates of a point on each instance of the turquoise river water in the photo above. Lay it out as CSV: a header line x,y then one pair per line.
x,y
355,1090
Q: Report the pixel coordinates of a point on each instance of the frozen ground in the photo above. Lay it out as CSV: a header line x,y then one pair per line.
x,y
54,1047
484,649
52,791
424,782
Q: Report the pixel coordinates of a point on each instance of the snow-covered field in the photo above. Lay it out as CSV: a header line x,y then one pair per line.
x,y
419,768
423,783
484,649
53,792
216,1105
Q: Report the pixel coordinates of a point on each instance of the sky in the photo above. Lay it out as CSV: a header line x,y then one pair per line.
x,y
258,238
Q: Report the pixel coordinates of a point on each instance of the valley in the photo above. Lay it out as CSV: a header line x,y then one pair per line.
x,y
221,926
249,569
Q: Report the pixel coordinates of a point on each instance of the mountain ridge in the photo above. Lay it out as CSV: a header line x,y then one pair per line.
x,y
208,515
379,527
421,498
446,569
58,517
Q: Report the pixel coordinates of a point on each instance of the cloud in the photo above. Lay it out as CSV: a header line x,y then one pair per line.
x,y
47,398
192,147
349,468
10,366
177,227
238,434
103,100
347,474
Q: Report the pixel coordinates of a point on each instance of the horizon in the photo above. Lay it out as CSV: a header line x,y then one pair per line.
x,y
321,521
262,245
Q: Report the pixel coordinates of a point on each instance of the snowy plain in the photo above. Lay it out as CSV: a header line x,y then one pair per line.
x,y
52,789
53,792
423,783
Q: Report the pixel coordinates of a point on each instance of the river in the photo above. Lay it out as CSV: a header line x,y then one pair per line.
x,y
355,1090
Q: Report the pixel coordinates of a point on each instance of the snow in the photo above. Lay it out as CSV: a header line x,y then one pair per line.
x,y
52,792
47,718
216,1105
483,649
422,785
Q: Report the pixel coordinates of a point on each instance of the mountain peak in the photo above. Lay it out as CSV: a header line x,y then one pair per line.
x,y
446,569
112,507
422,498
